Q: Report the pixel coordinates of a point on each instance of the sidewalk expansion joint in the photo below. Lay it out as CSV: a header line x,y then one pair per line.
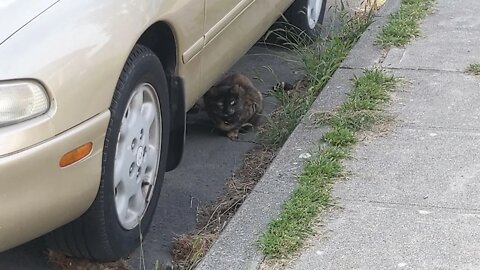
x,y
414,127
455,71
423,69
417,205
353,68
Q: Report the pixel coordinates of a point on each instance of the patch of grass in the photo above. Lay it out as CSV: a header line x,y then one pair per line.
x,y
402,26
340,136
473,69
286,234
355,119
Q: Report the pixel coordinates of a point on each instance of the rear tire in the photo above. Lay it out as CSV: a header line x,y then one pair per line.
x,y
133,167
307,15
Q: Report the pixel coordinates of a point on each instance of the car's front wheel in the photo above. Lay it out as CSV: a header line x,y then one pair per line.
x,y
307,15
134,161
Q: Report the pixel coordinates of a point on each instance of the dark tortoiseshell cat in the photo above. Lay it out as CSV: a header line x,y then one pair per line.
x,y
233,103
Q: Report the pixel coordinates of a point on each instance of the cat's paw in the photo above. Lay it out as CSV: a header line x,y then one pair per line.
x,y
233,134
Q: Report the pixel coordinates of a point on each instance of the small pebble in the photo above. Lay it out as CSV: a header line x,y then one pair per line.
x,y
305,156
423,212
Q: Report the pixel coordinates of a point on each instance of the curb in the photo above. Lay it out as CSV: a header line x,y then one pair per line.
x,y
236,247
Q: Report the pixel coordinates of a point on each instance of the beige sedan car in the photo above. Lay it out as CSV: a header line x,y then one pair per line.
x,y
93,96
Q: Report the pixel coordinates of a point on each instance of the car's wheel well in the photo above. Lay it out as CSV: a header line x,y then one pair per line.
x,y
160,39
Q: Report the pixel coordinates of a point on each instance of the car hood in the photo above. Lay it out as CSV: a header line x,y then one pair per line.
x,y
15,14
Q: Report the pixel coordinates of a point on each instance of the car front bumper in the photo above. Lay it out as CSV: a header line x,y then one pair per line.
x,y
37,196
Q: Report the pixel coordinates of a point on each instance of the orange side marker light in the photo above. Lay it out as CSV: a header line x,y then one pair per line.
x,y
76,154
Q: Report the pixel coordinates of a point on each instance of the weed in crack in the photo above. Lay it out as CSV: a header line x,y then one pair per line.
x,y
473,69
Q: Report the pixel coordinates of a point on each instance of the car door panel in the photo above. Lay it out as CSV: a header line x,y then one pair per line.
x,y
220,13
195,49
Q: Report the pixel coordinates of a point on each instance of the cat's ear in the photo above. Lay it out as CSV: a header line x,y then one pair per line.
x,y
237,90
212,92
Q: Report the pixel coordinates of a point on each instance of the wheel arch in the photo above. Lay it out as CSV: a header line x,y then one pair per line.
x,y
160,38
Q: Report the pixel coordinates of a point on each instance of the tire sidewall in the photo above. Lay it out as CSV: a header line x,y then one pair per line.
x,y
145,68
297,16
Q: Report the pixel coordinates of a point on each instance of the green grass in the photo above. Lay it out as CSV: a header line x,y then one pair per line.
x,y
286,234
340,136
403,25
321,58
473,69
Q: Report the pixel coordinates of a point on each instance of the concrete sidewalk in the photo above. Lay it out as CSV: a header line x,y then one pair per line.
x,y
413,199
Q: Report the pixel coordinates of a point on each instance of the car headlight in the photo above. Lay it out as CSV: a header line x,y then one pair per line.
x,y
21,100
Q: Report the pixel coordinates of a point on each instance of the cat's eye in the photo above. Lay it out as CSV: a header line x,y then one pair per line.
x,y
220,104
232,102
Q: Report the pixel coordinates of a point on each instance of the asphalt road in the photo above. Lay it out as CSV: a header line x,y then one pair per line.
x,y
209,159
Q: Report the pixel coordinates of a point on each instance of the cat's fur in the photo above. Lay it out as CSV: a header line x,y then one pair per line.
x,y
233,103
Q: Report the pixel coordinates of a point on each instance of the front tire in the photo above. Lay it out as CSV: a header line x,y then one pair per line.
x,y
307,15
134,163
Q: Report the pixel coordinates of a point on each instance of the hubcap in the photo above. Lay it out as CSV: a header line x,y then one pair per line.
x,y
137,155
313,12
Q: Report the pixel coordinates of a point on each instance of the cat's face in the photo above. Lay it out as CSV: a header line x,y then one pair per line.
x,y
224,102
226,108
